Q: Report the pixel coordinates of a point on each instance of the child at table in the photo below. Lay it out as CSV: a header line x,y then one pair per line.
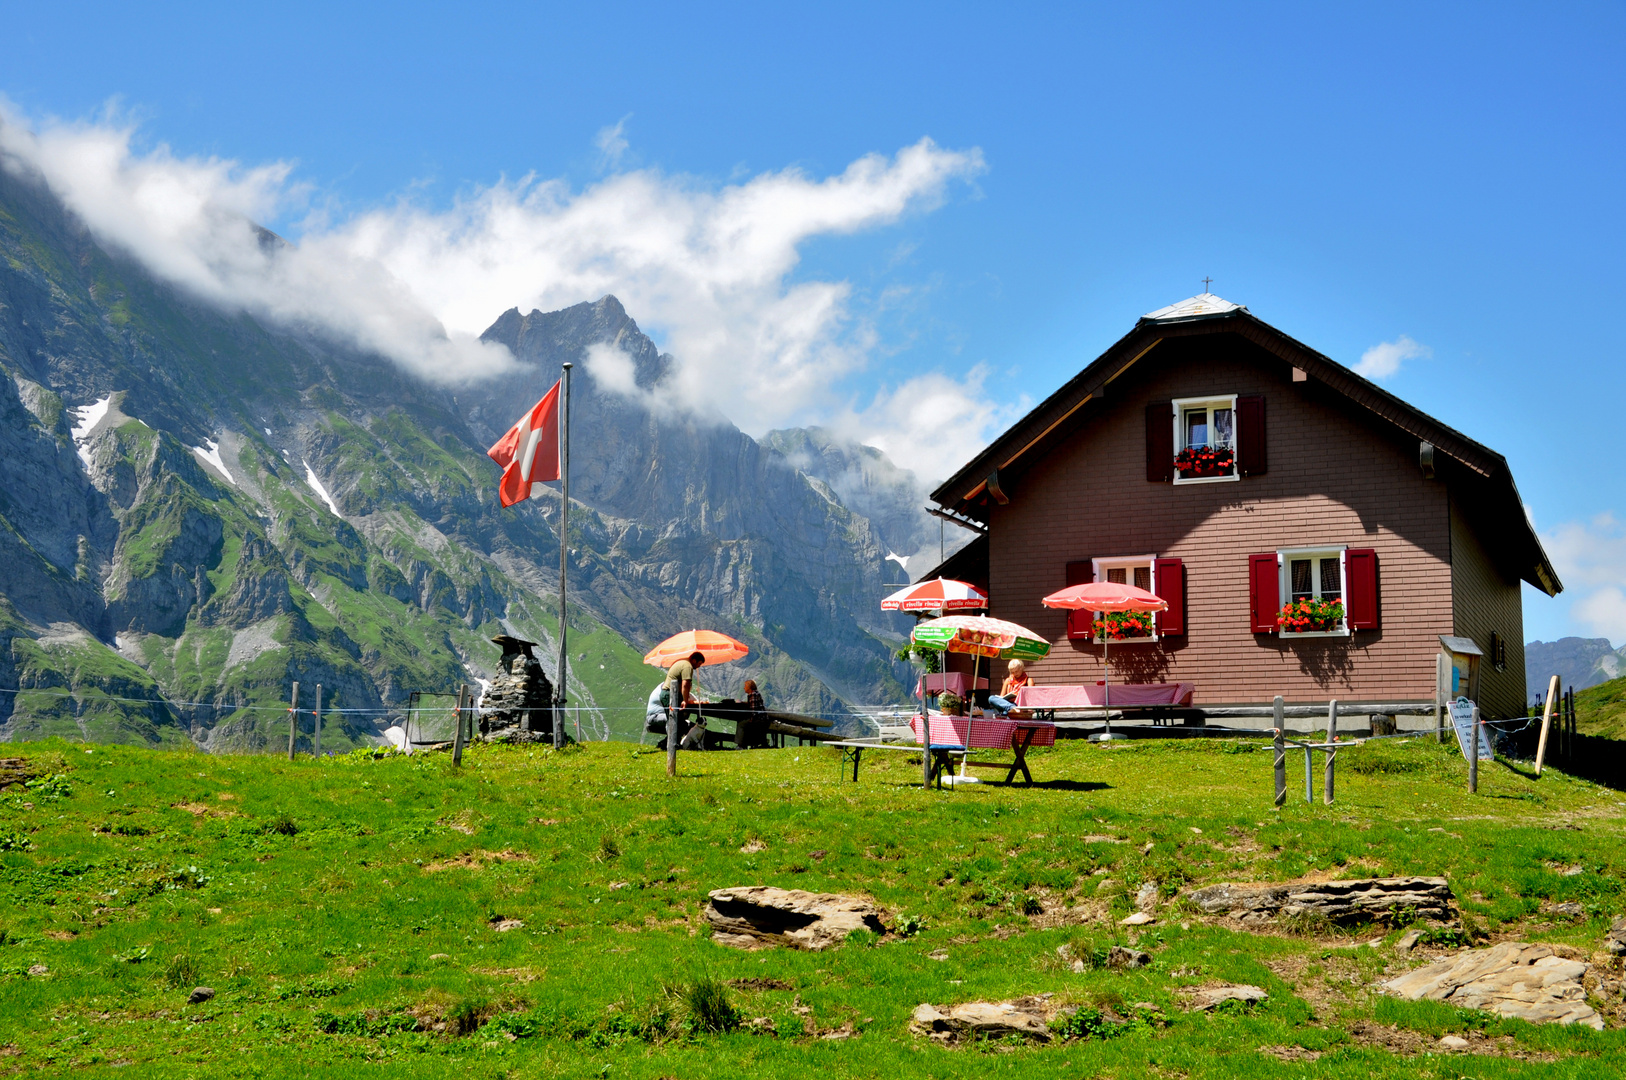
x,y
1004,701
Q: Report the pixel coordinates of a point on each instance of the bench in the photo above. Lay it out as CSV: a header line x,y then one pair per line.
x,y
946,736
1158,700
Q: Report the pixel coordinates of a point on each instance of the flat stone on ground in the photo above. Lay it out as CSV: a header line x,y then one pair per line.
x,y
760,917
1338,901
1205,999
1513,979
1615,942
984,1019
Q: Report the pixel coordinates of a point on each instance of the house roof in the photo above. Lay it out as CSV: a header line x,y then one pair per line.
x,y
1059,415
1202,306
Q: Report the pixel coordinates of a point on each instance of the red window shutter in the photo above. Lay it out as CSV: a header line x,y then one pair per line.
x,y
1079,625
1361,607
1264,592
1250,435
1169,582
1160,442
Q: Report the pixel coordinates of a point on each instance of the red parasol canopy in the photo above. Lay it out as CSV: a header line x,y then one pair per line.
x,y
1105,596
938,594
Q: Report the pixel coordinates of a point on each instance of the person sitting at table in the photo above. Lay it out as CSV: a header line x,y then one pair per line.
x,y
1004,701
752,733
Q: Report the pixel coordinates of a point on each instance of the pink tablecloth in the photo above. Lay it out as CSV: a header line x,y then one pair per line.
x,y
1091,697
992,734
956,681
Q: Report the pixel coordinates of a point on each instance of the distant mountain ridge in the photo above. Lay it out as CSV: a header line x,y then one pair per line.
x,y
1578,662
197,509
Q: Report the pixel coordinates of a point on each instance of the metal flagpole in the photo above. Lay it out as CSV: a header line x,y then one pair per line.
x,y
564,553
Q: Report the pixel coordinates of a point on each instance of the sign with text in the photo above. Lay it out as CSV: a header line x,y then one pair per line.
x,y
1465,717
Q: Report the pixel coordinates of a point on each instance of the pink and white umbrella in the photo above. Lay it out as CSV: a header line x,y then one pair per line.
x,y
1106,596
938,594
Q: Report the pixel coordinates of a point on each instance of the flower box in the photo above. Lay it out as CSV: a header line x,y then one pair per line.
x,y
1311,617
1124,626
1201,461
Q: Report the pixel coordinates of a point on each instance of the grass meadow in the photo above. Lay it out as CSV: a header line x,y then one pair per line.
x,y
535,913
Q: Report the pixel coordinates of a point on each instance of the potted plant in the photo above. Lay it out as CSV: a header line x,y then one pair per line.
x,y
1310,616
1123,625
1197,461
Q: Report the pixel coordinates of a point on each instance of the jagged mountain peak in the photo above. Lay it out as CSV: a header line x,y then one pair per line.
x,y
256,506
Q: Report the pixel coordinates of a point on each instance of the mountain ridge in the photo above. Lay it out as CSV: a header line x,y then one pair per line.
x,y
259,504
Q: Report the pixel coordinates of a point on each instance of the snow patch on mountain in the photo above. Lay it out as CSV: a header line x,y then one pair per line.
x,y
88,416
316,485
210,452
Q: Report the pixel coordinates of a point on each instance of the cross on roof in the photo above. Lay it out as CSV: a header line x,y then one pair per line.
x,y
1206,282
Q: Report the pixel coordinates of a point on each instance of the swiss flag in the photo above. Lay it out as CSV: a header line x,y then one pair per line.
x,y
529,453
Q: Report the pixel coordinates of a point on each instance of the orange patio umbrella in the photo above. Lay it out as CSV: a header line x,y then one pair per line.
x,y
716,648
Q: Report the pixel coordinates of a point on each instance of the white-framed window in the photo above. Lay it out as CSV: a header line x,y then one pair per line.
x,y
1315,600
1205,440
1133,570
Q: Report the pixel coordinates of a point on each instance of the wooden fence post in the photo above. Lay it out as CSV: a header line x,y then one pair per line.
x,y
457,737
316,739
672,711
1442,694
1473,754
1569,724
1332,734
293,722
1546,722
1281,753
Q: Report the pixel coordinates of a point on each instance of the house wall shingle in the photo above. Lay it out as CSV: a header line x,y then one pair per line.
x,y
1331,480
1487,600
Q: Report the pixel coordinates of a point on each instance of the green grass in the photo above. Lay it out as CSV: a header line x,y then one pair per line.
x,y
345,912
1601,710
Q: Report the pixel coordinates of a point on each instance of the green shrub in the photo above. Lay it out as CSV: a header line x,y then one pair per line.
x,y
182,971
709,1007
280,825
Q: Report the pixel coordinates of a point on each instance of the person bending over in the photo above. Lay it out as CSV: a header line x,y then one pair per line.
x,y
680,692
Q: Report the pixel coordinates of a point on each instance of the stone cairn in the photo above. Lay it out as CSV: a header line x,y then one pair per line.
x,y
519,704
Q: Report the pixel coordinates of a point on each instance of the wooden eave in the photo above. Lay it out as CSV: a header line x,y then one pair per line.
x,y
966,492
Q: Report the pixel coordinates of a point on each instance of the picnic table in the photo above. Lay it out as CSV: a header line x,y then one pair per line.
x,y
946,736
1159,699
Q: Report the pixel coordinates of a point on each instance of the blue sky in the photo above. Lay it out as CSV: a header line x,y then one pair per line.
x,y
1450,174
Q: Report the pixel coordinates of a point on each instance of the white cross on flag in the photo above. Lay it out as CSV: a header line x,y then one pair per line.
x,y
529,453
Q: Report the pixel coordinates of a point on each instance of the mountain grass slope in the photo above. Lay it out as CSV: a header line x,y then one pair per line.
x,y
539,914
1601,710
198,508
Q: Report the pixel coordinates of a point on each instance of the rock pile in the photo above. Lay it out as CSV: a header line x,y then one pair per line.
x,y
1526,982
520,699
1338,901
760,917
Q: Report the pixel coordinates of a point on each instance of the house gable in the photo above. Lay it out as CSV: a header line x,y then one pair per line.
x,y
1477,475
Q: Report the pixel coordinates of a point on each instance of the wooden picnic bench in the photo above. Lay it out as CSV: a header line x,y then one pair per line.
x,y
1156,700
957,736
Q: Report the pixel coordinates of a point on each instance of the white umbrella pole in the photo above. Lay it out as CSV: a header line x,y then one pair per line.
x,y
1106,677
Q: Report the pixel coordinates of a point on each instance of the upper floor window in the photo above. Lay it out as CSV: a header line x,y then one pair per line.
x,y
1204,439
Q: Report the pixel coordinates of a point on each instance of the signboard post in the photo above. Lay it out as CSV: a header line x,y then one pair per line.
x,y
1471,735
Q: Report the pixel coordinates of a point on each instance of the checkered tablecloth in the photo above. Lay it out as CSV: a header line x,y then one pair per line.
x,y
991,734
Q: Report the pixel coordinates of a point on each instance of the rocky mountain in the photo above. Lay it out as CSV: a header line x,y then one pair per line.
x,y
198,509
1578,662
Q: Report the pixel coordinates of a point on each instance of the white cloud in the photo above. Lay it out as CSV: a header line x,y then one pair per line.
x,y
1590,558
705,267
1384,359
612,143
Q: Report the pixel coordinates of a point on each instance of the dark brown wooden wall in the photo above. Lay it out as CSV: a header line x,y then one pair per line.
x,y
1332,479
